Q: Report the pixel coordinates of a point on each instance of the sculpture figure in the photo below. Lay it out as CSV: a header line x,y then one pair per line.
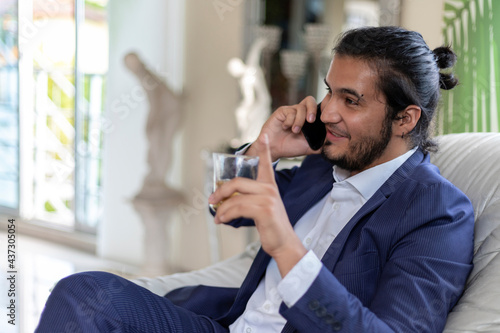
x,y
164,118
255,106
157,202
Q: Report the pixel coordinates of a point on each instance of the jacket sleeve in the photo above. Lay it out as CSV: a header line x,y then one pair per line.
x,y
427,265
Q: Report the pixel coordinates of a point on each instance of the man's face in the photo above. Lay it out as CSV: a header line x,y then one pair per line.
x,y
359,133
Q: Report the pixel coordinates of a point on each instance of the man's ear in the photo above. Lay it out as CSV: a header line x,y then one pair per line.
x,y
406,120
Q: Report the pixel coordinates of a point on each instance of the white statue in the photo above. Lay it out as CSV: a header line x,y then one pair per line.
x,y
255,107
164,118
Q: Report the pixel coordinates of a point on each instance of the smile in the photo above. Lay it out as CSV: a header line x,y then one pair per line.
x,y
336,134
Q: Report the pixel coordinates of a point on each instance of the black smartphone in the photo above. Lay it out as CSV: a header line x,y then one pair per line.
x,y
315,133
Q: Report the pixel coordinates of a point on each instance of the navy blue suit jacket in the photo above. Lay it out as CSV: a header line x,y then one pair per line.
x,y
399,265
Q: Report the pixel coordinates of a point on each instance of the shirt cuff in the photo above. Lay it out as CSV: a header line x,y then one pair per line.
x,y
295,284
243,149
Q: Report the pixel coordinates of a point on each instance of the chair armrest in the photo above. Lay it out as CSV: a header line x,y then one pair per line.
x,y
227,273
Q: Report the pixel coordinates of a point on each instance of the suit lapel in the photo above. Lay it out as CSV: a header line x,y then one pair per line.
x,y
307,191
331,256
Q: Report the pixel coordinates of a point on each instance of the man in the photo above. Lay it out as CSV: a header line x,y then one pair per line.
x,y
381,243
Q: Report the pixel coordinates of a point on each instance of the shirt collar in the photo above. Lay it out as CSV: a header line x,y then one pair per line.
x,y
370,180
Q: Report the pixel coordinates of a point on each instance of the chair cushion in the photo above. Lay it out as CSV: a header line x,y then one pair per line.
x,y
228,273
471,161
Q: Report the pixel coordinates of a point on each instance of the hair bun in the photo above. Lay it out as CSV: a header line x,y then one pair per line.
x,y
446,58
447,81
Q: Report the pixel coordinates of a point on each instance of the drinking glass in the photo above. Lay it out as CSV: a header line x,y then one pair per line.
x,y
228,166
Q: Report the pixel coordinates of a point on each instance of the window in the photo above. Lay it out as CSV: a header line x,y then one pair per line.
x,y
472,29
9,106
51,102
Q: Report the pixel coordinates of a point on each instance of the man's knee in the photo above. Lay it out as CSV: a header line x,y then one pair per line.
x,y
99,279
81,300
93,288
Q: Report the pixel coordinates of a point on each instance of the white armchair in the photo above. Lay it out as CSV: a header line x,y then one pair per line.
x,y
471,161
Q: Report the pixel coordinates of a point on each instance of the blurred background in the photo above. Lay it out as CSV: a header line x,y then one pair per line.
x,y
74,118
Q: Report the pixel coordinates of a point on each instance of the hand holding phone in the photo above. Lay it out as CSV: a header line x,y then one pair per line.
x,y
315,133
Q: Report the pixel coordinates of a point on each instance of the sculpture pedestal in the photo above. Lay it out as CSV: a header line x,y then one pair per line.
x,y
157,206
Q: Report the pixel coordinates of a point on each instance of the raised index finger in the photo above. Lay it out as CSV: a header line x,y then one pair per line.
x,y
266,172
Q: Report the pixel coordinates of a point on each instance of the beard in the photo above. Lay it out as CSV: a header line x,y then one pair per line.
x,y
362,152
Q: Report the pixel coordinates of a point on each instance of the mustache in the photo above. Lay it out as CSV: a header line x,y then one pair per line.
x,y
333,128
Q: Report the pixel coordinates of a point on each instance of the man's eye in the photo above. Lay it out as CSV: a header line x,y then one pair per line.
x,y
351,101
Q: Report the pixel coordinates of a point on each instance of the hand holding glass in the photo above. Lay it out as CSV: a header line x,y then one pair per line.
x,y
227,167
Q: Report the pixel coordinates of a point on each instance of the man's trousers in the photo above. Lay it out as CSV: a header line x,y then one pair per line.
x,y
103,302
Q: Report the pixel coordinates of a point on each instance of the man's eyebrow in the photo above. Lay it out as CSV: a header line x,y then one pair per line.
x,y
350,92
346,91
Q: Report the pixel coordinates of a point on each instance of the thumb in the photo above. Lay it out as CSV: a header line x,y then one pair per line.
x,y
266,172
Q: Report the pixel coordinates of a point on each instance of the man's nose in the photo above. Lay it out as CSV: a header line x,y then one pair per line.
x,y
330,112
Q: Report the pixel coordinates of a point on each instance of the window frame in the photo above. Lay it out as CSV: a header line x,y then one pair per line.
x,y
80,232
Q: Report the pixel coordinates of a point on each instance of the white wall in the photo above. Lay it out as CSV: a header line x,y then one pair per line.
x,y
426,17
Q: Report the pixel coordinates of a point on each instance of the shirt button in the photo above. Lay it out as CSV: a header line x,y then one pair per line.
x,y
267,307
308,240
248,330
274,296
335,206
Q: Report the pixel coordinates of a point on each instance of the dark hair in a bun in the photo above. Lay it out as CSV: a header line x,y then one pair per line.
x,y
446,58
409,72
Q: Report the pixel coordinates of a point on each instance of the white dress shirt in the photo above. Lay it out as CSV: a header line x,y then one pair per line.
x,y
317,229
